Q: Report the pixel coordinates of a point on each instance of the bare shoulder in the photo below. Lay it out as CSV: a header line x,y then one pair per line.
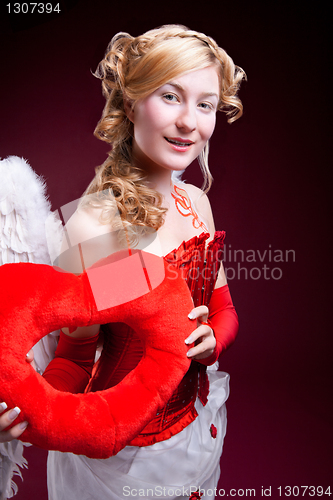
x,y
202,205
199,197
204,209
85,224
87,240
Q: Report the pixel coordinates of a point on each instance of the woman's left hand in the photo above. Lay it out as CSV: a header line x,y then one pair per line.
x,y
203,336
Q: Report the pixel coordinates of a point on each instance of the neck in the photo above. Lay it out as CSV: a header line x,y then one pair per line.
x,y
158,178
161,182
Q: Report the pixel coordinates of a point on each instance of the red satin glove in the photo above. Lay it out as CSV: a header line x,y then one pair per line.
x,y
71,368
223,320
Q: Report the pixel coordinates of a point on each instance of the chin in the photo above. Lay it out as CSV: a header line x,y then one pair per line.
x,y
179,166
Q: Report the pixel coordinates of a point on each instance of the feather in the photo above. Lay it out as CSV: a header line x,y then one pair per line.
x,y
29,232
24,210
11,459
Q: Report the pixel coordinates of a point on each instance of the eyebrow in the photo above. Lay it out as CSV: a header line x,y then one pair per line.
x,y
180,87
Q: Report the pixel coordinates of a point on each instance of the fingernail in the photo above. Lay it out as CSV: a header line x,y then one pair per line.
x,y
23,425
13,414
3,406
188,340
188,354
191,316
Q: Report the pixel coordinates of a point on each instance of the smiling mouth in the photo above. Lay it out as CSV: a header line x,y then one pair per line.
x,y
179,143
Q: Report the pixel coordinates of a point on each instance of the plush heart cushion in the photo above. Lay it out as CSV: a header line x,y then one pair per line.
x,y
36,299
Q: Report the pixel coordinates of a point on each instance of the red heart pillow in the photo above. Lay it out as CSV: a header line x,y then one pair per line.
x,y
36,299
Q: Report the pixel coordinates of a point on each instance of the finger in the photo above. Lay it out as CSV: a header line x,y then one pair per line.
x,y
202,350
201,331
30,356
13,433
203,355
3,407
6,419
198,312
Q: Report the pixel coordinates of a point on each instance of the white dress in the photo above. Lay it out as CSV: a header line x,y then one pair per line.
x,y
174,468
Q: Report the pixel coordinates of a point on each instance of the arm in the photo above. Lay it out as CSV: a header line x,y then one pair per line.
x,y
219,332
71,368
222,321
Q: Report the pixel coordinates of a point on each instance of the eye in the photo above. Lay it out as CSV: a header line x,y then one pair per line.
x,y
206,105
170,97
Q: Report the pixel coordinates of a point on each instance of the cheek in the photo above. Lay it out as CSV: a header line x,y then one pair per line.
x,y
210,127
148,121
207,126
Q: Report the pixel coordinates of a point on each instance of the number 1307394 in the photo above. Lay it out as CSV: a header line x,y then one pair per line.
x,y
33,8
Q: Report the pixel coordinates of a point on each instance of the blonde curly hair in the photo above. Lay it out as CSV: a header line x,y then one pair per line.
x,y
133,68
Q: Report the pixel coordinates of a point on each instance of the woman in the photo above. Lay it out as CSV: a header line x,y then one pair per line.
x,y
162,92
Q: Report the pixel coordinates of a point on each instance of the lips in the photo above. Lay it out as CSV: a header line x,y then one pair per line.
x,y
178,141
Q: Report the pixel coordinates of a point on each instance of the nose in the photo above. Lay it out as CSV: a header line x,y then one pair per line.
x,y
187,119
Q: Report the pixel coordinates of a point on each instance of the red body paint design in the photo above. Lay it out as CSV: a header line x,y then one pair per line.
x,y
184,207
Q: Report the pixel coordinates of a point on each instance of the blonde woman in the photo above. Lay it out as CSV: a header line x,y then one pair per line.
x,y
162,92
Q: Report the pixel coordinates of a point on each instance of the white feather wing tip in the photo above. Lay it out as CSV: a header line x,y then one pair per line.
x,y
24,210
11,460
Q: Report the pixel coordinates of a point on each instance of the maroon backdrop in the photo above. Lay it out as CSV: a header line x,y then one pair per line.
x,y
270,194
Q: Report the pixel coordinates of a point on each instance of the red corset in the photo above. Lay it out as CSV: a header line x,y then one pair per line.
x,y
122,349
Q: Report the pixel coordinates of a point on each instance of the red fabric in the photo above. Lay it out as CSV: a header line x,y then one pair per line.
x,y
123,348
199,266
175,415
71,368
36,299
224,321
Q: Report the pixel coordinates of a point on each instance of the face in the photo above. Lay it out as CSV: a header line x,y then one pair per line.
x,y
173,124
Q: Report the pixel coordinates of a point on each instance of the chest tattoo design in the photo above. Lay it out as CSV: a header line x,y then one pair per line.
x,y
184,207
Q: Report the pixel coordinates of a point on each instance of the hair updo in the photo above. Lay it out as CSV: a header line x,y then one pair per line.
x,y
133,68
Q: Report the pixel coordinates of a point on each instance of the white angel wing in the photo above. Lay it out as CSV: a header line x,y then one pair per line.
x,y
29,232
11,459
24,210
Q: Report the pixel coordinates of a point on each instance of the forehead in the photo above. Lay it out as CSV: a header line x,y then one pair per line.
x,y
205,79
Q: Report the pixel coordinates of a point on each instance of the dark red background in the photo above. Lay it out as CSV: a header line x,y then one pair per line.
x,y
271,188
